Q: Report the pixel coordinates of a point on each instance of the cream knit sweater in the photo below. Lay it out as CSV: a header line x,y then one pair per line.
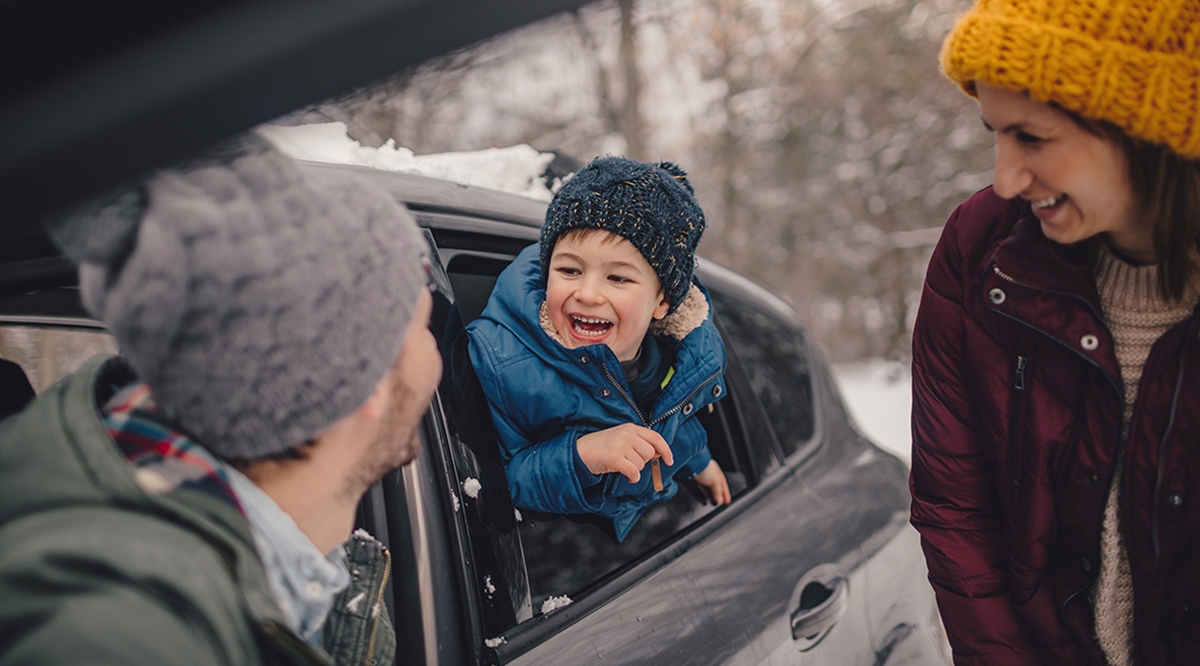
x,y
1137,317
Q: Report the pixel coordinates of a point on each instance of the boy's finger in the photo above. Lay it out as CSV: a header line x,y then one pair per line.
x,y
660,445
630,470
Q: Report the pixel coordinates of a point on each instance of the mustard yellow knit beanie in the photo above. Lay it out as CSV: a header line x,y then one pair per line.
x,y
1134,63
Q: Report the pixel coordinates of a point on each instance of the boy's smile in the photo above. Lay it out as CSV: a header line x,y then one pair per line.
x,y
601,290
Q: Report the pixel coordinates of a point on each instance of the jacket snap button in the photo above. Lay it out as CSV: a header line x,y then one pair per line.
x,y
604,393
583,359
1085,564
996,296
1093,480
1089,342
716,391
1175,500
687,409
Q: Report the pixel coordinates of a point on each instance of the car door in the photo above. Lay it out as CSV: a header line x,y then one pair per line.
x,y
776,577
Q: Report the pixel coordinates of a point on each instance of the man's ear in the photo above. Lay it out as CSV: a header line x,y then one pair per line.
x,y
663,306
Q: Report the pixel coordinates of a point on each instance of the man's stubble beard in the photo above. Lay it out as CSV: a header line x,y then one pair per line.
x,y
398,442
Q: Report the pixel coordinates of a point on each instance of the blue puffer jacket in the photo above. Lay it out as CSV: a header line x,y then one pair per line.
x,y
543,396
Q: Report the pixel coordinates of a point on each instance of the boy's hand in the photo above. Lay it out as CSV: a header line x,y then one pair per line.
x,y
712,479
624,449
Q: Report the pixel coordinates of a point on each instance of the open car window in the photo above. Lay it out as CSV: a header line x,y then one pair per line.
x,y
562,556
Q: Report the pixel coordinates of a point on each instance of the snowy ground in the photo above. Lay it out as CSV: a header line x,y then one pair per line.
x,y
878,394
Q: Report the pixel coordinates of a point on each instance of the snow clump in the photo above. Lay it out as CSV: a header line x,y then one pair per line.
x,y
515,169
495,642
364,535
472,487
555,603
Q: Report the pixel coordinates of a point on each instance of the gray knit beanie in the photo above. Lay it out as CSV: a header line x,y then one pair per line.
x,y
261,303
650,205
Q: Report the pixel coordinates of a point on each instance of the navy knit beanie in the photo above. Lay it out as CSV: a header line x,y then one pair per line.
x,y
651,205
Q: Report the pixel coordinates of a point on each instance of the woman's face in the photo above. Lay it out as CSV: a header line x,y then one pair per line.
x,y
1077,182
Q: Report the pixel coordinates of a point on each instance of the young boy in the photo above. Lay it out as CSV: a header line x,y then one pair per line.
x,y
597,349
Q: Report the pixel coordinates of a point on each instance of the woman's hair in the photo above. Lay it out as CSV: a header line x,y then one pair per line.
x,y
1166,194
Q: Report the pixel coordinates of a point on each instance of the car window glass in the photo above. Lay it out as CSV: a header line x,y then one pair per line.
x,y
566,555
775,360
48,353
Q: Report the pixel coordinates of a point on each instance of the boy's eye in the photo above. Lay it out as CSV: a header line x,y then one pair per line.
x,y
567,270
619,279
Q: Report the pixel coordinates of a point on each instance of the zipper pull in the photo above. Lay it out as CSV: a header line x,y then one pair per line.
x,y
1021,363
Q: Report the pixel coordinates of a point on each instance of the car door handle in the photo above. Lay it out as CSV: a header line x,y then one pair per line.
x,y
819,601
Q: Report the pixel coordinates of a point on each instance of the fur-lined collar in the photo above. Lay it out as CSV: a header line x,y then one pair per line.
x,y
687,318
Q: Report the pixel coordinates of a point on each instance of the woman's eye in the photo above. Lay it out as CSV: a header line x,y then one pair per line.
x,y
1028,139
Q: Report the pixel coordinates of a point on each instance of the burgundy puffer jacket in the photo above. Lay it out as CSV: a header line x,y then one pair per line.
x,y
1017,409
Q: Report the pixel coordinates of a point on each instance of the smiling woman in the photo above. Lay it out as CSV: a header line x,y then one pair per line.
x,y
1056,366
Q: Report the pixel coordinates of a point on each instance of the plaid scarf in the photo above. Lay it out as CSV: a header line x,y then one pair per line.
x,y
164,459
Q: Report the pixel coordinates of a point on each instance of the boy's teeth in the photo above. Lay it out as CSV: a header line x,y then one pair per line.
x,y
1049,201
590,326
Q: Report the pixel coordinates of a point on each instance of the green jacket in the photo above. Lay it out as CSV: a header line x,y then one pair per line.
x,y
95,570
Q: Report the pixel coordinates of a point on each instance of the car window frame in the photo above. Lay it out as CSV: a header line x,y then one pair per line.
x,y
475,237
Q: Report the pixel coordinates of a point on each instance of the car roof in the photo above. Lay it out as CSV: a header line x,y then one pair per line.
x,y
423,193
95,95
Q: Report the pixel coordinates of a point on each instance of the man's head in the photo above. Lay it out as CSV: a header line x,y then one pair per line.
x,y
651,206
260,302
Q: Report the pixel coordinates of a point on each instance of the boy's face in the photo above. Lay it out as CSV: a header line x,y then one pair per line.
x,y
602,290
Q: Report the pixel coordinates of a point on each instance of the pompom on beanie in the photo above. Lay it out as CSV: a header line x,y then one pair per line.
x,y
1134,63
261,303
652,206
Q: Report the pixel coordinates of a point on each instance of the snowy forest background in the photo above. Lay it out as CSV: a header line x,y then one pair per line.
x,y
824,145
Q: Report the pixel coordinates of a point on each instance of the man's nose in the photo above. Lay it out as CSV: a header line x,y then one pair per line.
x,y
1012,175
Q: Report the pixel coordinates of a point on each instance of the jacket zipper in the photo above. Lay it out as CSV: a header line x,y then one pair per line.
x,y
1008,278
679,405
665,415
624,394
1014,443
1120,395
379,609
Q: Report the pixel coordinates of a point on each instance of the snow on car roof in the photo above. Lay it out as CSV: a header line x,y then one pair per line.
x,y
516,169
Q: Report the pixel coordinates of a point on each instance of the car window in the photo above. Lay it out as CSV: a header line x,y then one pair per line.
x,y
567,555
774,357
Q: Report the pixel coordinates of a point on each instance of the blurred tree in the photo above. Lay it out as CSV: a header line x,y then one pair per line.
x,y
823,143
